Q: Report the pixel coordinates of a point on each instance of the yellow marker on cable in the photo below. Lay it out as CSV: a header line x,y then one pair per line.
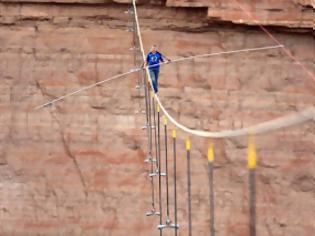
x,y
158,108
252,156
188,146
210,152
164,120
152,94
174,133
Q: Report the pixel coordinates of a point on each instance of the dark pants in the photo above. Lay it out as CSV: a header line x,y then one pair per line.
x,y
154,74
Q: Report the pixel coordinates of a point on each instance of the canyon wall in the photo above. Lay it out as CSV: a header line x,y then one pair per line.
x,y
77,167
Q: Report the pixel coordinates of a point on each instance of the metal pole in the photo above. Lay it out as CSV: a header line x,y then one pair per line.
x,y
160,183
150,155
211,199
252,164
175,182
211,194
189,187
252,201
166,171
149,127
155,135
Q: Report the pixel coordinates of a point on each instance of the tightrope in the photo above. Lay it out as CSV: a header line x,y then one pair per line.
x,y
272,125
120,76
87,87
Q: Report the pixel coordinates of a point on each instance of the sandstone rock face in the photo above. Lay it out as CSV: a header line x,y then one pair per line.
x,y
77,168
291,13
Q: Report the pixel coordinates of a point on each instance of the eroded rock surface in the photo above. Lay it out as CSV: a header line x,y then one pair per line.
x,y
77,168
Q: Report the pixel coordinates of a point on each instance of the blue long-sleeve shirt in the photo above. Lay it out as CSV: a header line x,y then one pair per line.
x,y
154,59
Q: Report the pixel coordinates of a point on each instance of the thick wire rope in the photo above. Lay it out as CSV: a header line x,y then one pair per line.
x,y
261,128
119,76
160,170
155,136
175,183
166,172
122,75
273,38
150,157
282,122
252,202
189,193
211,199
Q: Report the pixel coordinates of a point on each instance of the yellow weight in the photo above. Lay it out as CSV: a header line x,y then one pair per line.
x,y
188,145
174,133
252,156
210,152
165,120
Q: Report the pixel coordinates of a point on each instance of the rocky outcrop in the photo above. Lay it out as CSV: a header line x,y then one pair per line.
x,y
293,13
77,168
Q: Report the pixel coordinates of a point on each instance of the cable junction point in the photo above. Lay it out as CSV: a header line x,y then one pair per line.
x,y
140,112
136,69
130,29
150,159
139,86
156,173
153,212
123,75
168,224
147,126
134,49
130,11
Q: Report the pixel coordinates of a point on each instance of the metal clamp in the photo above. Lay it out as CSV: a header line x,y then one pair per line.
x,y
156,173
147,125
150,159
130,11
130,29
140,112
168,224
134,49
134,69
139,86
153,212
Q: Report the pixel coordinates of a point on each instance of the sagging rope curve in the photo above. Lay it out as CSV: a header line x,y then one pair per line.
x,y
264,127
272,125
123,75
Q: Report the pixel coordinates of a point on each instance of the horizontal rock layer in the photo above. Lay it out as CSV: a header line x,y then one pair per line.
x,y
288,13
77,168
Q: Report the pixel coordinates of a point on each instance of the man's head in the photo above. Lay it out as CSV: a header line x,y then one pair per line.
x,y
154,48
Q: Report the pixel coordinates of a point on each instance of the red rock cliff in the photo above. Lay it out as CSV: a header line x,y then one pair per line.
x,y
77,168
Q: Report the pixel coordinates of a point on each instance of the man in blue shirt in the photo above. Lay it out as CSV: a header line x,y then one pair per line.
x,y
153,61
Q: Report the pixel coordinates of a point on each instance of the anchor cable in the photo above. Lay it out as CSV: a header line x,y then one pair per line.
x,y
273,38
272,125
155,136
175,182
252,164
150,157
119,76
160,169
211,194
166,170
189,187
